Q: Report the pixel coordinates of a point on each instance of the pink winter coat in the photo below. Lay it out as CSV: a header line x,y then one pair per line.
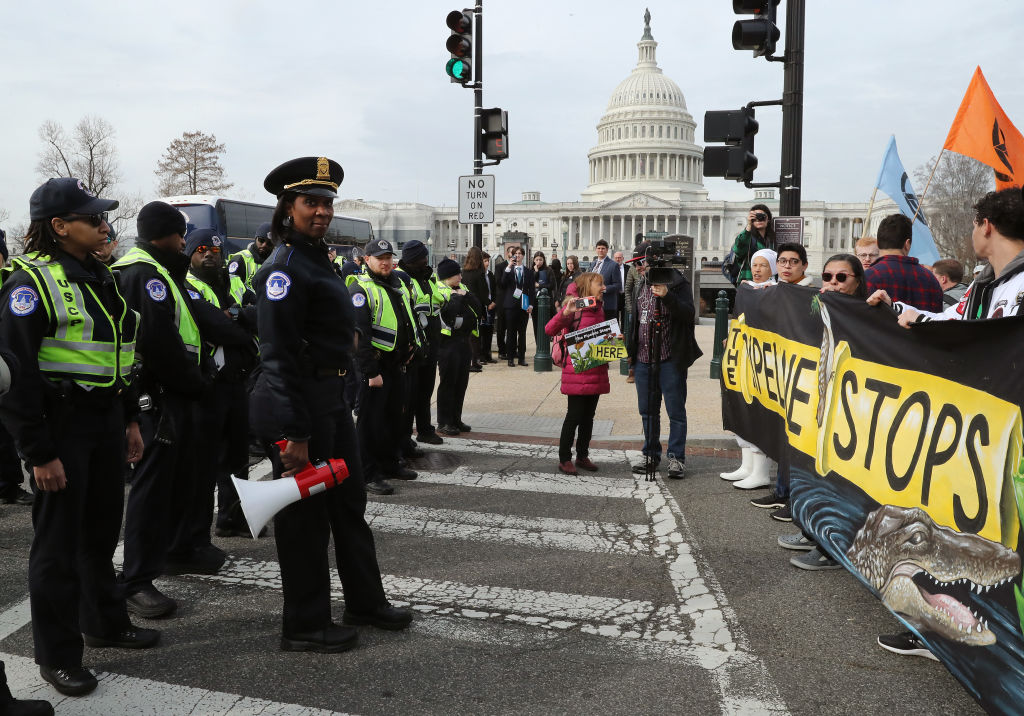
x,y
589,382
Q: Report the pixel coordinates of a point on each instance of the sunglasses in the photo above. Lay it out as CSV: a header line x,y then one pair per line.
x,y
840,277
93,220
208,249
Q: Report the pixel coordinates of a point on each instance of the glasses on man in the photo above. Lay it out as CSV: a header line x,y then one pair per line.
x,y
840,276
93,220
207,249
788,262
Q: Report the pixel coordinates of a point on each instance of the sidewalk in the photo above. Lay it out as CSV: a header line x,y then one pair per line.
x,y
503,401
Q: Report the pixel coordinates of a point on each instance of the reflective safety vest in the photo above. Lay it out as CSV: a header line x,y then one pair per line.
x,y
384,332
446,295
187,328
236,289
72,352
249,260
18,263
428,303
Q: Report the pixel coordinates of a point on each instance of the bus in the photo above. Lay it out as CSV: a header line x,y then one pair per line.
x,y
237,221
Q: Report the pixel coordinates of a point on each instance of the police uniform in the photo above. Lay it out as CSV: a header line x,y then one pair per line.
x,y
306,335
384,319
223,411
246,263
460,315
427,300
73,336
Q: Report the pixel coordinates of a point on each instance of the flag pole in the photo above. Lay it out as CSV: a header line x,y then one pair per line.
x,y
871,206
920,202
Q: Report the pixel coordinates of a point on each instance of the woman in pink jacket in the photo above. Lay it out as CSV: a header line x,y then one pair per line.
x,y
582,389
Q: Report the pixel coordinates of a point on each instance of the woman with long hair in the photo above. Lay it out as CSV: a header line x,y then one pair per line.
x,y
542,279
844,273
582,390
474,280
571,273
758,234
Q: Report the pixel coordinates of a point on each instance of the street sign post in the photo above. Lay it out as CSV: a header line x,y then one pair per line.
x,y
476,199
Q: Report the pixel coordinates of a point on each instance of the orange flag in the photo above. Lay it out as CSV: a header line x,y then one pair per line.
x,y
982,130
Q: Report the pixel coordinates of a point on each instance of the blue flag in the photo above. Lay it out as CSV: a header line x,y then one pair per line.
x,y
894,182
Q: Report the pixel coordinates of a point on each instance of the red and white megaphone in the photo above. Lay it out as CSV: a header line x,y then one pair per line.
x,y
262,500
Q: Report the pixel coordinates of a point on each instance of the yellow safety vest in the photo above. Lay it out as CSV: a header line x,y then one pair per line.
x,y
187,328
73,352
249,260
384,331
446,294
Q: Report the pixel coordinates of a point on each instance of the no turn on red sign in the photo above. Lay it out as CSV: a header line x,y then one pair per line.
x,y
476,199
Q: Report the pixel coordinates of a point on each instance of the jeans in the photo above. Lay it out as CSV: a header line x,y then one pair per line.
x,y
672,385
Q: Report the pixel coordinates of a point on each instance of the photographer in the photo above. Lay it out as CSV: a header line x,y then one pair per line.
x,y
758,234
661,347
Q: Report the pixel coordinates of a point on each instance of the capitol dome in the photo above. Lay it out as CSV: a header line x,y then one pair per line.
x,y
645,140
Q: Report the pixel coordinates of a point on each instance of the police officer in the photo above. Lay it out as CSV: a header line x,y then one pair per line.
x,y
223,415
175,373
383,312
427,300
71,413
460,316
306,334
354,264
247,262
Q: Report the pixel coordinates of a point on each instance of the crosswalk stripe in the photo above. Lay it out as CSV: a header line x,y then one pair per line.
x,y
553,483
539,532
513,449
122,694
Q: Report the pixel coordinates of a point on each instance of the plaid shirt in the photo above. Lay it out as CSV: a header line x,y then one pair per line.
x,y
905,280
645,304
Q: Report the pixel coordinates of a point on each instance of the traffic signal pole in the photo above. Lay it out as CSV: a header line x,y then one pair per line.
x,y
478,104
792,110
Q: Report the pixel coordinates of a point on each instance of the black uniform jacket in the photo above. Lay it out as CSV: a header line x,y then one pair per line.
x,y
306,328
370,359
467,308
240,354
32,409
165,361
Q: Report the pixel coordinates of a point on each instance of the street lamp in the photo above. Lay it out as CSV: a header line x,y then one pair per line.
x,y
565,234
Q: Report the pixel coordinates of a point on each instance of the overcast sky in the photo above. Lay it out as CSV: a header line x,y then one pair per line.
x,y
364,83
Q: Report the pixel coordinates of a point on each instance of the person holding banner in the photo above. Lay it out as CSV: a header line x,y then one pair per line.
x,y
898,273
582,390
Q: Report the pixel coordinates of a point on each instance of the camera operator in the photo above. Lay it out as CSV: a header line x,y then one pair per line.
x,y
758,234
661,347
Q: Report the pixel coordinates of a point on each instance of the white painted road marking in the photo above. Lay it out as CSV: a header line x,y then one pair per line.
x,y
554,483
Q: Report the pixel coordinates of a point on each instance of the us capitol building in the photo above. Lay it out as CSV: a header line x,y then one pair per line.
x,y
645,175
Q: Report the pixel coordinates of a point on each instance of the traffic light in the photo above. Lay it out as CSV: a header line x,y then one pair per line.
x,y
460,45
736,128
494,127
759,35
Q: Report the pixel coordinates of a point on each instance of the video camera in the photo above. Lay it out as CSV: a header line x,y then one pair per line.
x,y
661,256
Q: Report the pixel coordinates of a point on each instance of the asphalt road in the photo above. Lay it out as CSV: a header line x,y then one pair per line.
x,y
535,593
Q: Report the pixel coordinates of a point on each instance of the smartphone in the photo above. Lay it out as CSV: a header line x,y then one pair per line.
x,y
587,302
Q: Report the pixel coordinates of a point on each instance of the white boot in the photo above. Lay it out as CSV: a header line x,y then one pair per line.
x,y
743,470
758,476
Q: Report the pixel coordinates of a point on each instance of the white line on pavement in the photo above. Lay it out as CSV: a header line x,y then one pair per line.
x,y
513,449
553,483
539,532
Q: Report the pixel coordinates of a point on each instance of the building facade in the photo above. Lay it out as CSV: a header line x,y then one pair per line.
x,y
645,175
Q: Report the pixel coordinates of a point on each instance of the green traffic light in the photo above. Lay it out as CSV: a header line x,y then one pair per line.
x,y
458,69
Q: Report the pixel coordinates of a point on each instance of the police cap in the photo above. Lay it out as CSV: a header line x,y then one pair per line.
x,y
318,176
379,247
63,196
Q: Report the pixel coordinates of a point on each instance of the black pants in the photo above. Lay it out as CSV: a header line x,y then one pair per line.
x,y
380,427
500,328
515,333
303,529
453,365
162,485
486,336
72,588
420,379
11,475
578,423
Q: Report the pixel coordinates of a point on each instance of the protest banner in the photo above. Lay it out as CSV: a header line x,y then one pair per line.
x,y
595,345
904,449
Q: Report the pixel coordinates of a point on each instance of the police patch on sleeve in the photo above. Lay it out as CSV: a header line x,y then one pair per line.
x,y
278,284
358,300
24,301
194,294
233,267
156,289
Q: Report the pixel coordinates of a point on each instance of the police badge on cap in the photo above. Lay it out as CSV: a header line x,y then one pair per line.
x,y
379,247
318,176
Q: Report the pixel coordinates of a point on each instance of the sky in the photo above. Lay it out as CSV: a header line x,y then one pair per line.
x,y
364,83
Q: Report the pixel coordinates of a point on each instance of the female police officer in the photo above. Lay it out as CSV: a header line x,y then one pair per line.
x,y
63,318
306,338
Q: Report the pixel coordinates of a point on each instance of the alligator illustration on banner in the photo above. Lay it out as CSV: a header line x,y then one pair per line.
x,y
927,573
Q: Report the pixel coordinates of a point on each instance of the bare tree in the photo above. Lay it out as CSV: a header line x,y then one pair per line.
x,y
122,219
89,153
191,165
957,185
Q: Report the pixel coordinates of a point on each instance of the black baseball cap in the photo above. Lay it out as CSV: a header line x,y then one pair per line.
x,y
63,196
379,247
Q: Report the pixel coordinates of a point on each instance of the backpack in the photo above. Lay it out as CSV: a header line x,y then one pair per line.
x,y
558,351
